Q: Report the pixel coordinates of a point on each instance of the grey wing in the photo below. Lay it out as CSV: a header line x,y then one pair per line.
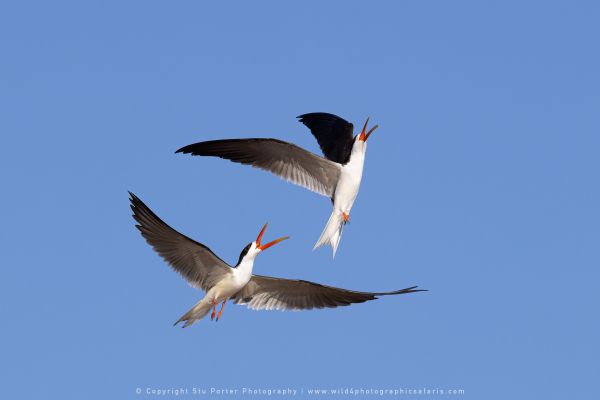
x,y
267,293
283,159
195,262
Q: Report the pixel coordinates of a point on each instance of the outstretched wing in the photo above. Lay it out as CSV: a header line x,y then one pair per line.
x,y
283,159
267,293
334,134
194,261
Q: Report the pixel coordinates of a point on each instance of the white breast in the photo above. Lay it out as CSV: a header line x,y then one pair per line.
x,y
349,183
233,282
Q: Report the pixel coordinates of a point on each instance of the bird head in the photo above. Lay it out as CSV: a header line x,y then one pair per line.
x,y
364,135
256,247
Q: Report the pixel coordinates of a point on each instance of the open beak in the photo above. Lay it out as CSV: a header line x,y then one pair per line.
x,y
364,136
266,246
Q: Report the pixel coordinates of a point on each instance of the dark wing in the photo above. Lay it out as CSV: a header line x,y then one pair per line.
x,y
192,260
267,293
334,134
283,159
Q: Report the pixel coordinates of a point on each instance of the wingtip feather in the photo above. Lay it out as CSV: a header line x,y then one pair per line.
x,y
181,150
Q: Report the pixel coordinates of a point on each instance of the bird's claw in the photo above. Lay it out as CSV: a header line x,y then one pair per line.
x,y
214,310
221,310
346,218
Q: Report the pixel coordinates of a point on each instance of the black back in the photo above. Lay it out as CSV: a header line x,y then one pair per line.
x,y
334,134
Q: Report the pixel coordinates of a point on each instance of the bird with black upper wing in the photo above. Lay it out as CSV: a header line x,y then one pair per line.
x,y
203,269
337,175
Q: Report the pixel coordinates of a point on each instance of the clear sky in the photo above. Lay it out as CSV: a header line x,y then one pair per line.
x,y
481,185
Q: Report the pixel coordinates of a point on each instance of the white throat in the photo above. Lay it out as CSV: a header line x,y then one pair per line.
x,y
247,263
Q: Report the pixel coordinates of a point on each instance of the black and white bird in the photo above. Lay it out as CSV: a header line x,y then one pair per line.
x,y
203,269
337,176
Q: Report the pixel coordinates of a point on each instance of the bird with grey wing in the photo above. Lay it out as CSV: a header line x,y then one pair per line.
x,y
337,175
221,282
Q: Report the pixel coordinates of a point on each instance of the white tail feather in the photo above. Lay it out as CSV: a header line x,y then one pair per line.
x,y
332,233
196,313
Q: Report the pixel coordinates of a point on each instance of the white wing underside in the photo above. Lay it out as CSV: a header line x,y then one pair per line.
x,y
296,174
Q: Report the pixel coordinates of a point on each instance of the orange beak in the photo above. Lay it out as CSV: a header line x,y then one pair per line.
x,y
364,136
266,246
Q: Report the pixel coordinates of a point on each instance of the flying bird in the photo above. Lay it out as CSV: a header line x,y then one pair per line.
x,y
203,269
337,175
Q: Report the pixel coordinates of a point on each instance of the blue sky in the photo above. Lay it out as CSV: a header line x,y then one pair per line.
x,y
481,185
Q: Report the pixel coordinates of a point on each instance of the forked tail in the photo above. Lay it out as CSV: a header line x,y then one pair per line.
x,y
196,313
333,231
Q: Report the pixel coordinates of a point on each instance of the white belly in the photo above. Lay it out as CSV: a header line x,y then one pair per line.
x,y
232,283
348,185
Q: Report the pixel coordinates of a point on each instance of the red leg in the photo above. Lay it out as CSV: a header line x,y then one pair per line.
x,y
346,217
212,316
221,310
